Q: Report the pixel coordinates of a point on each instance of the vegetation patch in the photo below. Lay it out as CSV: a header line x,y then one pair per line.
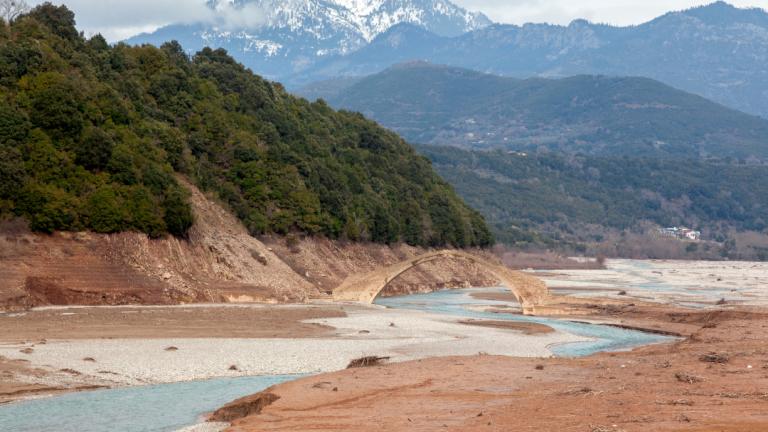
x,y
92,137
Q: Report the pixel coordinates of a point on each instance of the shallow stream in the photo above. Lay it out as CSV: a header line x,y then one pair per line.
x,y
164,407
461,303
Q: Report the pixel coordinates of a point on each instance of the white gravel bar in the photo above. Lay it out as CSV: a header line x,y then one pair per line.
x,y
399,334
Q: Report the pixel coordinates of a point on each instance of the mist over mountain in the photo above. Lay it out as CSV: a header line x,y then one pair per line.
x,y
716,51
594,115
283,38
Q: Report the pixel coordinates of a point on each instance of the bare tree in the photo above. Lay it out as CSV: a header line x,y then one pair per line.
x,y
12,9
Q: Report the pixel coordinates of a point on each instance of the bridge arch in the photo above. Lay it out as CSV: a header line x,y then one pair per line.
x,y
529,291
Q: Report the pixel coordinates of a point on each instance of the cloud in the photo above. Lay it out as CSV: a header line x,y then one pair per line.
x,y
250,15
618,12
120,19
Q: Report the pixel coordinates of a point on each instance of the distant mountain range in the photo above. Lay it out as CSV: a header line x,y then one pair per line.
x,y
595,115
279,38
717,51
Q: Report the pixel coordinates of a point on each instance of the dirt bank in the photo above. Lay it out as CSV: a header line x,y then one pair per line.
x,y
714,380
219,262
167,322
20,380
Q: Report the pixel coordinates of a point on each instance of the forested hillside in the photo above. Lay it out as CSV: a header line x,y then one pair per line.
x,y
92,136
597,115
573,199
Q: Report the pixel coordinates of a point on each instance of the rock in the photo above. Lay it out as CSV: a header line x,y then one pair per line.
x,y
167,276
721,358
244,407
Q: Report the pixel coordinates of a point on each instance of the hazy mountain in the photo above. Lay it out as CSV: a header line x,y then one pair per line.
x,y
717,51
583,114
279,38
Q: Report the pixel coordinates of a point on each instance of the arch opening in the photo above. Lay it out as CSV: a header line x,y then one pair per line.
x,y
529,291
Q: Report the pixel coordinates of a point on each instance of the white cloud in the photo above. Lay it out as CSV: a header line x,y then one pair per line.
x,y
120,19
618,12
249,16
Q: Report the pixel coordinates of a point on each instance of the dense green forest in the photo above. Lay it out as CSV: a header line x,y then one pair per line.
x,y
595,115
548,198
92,137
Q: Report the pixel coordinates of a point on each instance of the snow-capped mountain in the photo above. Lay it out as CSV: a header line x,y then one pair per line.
x,y
281,37
718,51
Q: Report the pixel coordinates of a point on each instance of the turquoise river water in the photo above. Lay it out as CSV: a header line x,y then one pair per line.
x,y
461,303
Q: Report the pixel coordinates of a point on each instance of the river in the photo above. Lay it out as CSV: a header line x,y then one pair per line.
x,y
169,407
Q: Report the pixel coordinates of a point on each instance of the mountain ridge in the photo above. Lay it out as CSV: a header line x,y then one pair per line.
x,y
287,37
716,55
598,115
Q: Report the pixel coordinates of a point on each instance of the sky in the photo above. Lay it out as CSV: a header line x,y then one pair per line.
x,y
120,19
617,12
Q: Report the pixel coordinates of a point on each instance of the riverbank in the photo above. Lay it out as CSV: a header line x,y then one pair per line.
x,y
713,380
54,350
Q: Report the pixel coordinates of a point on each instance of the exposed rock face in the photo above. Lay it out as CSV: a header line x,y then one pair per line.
x,y
219,262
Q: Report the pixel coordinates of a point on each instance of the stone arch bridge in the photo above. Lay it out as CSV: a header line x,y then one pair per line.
x,y
529,291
